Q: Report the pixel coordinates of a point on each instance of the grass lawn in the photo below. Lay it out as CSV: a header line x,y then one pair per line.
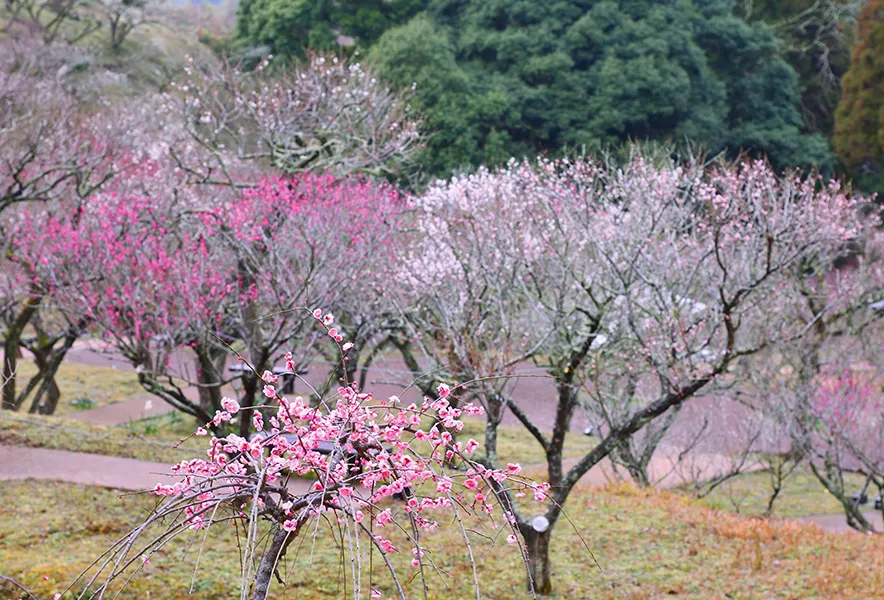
x,y
648,544
151,439
84,386
802,495
515,444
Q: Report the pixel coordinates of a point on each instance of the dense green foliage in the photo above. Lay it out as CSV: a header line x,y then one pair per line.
x,y
501,78
859,121
291,27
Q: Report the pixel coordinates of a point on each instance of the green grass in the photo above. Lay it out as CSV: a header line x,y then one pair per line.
x,y
126,441
515,444
648,544
802,495
85,386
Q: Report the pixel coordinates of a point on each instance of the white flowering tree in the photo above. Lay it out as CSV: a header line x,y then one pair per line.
x,y
642,287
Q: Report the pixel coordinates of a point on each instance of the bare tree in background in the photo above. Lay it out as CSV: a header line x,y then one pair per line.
x,y
50,21
124,16
826,389
321,115
52,147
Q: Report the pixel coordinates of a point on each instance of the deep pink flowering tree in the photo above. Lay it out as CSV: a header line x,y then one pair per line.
x,y
33,253
158,273
304,241
53,149
643,286
136,271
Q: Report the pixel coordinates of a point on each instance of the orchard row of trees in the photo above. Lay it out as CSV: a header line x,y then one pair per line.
x,y
226,210
518,78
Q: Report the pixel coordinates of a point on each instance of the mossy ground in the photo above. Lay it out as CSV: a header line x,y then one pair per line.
x,y
648,545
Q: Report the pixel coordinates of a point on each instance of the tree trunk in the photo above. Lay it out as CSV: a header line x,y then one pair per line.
x,y
538,561
48,361
637,468
274,553
208,378
10,355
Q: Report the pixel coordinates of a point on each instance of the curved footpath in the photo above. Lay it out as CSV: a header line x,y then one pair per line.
x,y
18,463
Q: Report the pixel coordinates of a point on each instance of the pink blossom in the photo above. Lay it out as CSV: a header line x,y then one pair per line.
x,y
230,405
384,517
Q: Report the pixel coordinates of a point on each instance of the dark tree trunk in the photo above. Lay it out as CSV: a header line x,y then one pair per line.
x,y
10,355
637,468
209,377
48,361
538,560
274,553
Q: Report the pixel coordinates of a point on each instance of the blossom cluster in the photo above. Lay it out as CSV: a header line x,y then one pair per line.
x,y
357,452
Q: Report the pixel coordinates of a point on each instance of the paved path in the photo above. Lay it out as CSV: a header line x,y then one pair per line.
x,y
93,469
78,467
18,463
140,406
136,408
838,523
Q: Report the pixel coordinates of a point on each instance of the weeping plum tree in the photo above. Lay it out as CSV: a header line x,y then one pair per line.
x,y
378,449
639,287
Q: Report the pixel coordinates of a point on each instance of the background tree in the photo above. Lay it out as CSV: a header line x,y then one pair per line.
x,y
816,36
323,115
295,28
654,282
859,120
517,78
464,126
123,16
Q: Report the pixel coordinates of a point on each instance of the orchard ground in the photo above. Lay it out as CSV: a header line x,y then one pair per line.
x,y
647,543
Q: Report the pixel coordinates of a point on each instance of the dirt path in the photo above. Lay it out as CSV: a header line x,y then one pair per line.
x,y
136,408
